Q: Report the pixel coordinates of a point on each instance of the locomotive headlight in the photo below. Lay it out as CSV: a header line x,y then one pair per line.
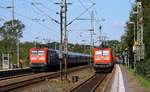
x,y
41,58
33,58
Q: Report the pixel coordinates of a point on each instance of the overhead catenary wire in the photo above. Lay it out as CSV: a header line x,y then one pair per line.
x,y
26,17
84,5
81,14
45,13
41,4
37,12
95,11
29,18
51,1
89,12
97,20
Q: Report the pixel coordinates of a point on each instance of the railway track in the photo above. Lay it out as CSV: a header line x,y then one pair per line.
x,y
92,84
96,83
10,84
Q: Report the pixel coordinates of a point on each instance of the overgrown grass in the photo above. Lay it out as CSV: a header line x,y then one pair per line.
x,y
143,80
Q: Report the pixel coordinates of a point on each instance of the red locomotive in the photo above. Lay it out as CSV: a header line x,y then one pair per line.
x,y
41,59
103,59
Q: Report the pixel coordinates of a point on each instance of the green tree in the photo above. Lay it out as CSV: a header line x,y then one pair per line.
x,y
9,35
127,38
24,52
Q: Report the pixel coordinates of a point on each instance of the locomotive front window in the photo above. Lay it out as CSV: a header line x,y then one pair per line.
x,y
34,53
40,53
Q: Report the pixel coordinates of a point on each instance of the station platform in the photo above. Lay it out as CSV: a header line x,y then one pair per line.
x,y
125,81
12,72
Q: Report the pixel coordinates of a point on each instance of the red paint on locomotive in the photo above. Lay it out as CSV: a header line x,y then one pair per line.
x,y
102,55
38,55
102,58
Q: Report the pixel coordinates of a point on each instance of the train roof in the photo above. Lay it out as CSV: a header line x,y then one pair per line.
x,y
71,53
78,54
57,51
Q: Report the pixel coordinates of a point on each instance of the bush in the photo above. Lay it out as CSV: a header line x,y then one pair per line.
x,y
144,69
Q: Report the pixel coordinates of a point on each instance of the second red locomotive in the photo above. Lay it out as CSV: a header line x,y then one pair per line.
x,y
103,59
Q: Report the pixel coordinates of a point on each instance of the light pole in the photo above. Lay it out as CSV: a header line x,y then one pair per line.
x,y
134,46
12,25
134,30
17,38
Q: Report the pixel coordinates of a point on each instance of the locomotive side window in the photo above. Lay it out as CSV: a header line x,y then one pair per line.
x,y
34,53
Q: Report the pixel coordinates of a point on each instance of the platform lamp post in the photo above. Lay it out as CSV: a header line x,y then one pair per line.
x,y
134,30
12,25
134,46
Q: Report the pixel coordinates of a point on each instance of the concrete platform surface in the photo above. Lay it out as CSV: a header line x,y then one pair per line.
x,y
124,81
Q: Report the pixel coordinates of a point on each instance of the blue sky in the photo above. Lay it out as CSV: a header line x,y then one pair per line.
x,y
115,13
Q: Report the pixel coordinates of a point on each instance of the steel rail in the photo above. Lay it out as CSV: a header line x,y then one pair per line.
x,y
91,84
22,83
